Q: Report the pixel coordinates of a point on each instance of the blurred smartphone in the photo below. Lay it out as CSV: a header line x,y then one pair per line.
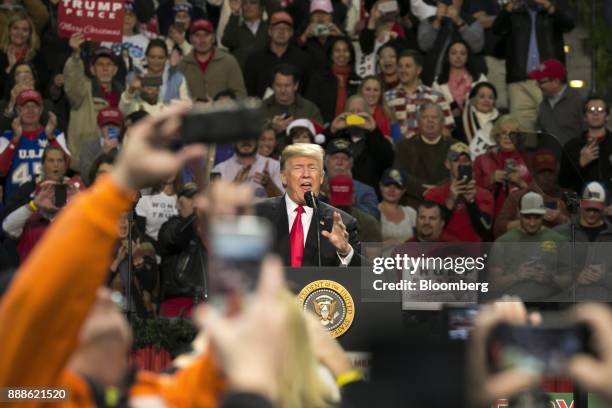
x,y
223,124
388,7
238,246
459,320
61,195
155,81
464,172
113,132
553,205
539,349
355,120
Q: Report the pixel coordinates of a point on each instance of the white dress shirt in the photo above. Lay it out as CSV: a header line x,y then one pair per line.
x,y
306,219
230,168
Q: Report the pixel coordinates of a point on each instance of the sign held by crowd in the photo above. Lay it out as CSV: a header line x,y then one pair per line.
x,y
97,20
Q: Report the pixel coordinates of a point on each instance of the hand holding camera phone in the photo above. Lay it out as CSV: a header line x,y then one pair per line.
x,y
537,349
464,173
238,246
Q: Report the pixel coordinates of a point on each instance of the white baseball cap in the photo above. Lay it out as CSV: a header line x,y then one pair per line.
x,y
593,196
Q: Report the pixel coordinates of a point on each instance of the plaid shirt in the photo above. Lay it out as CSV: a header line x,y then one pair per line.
x,y
405,107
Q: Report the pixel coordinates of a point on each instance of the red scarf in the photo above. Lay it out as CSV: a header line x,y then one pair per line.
x,y
342,74
204,64
460,86
382,121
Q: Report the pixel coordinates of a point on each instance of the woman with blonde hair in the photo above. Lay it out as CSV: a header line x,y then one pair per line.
x,y
502,170
372,90
19,43
303,382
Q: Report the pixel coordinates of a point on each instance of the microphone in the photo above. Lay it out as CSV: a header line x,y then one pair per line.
x,y
313,202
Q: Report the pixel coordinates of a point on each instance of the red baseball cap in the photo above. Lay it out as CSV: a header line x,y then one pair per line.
x,y
110,116
102,52
281,17
201,25
544,160
551,68
341,190
27,96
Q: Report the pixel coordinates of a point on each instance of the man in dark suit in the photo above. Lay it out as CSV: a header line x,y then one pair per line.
x,y
296,231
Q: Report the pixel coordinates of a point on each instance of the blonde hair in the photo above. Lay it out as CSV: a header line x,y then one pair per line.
x,y
300,384
302,149
355,98
32,40
502,121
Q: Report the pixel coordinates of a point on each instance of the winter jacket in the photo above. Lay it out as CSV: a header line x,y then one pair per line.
x,y
575,177
241,41
323,91
222,73
184,267
515,27
86,100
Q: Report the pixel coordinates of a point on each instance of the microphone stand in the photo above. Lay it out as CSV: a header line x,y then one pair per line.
x,y
551,141
312,201
572,203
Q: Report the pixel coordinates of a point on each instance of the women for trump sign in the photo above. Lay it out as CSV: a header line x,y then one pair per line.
x,y
97,20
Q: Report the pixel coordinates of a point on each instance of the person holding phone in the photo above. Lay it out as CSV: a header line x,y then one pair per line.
x,y
176,38
469,207
246,31
110,123
545,181
502,170
587,154
173,83
370,149
21,148
36,203
142,94
530,261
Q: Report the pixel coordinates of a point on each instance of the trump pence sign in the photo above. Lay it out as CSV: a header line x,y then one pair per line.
x,y
97,20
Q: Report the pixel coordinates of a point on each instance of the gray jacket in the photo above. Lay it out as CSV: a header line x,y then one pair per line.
x,y
565,120
90,149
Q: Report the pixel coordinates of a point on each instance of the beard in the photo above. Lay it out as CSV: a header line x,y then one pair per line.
x,y
245,150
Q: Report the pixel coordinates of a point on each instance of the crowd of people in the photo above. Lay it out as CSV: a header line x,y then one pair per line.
x,y
417,121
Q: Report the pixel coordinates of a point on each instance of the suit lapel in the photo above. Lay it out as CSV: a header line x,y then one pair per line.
x,y
282,230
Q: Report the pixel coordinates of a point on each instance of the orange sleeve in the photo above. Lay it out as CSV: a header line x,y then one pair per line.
x,y
41,314
197,386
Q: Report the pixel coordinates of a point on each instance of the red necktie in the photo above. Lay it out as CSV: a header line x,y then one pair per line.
x,y
296,238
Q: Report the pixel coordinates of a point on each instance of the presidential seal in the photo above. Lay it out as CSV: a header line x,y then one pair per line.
x,y
332,304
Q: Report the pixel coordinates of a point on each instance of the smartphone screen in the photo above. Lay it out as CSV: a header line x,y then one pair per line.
x,y
465,172
238,247
540,349
460,320
61,195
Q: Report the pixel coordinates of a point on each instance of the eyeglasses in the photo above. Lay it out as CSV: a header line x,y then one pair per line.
x,y
594,109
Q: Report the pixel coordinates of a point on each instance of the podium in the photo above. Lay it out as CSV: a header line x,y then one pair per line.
x,y
335,296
